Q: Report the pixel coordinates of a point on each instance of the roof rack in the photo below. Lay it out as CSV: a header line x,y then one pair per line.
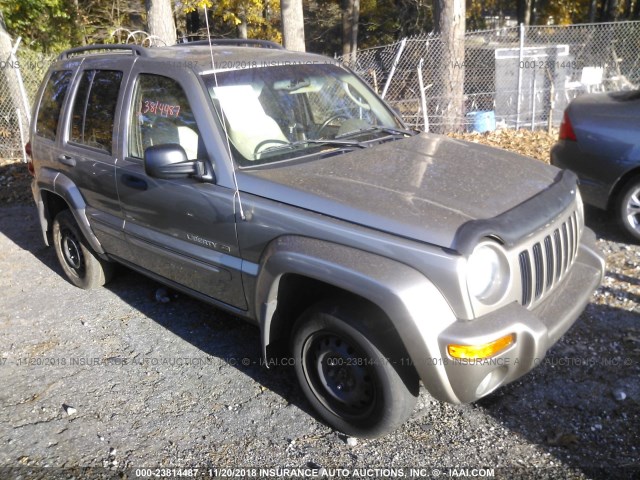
x,y
133,49
237,42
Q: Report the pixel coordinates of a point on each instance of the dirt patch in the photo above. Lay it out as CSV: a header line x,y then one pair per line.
x,y
15,183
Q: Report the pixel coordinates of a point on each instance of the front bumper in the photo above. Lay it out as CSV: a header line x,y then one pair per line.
x,y
535,330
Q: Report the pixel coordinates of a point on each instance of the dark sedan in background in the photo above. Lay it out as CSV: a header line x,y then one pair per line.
x,y
600,141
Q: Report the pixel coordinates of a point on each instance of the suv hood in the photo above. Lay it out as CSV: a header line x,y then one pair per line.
x,y
423,187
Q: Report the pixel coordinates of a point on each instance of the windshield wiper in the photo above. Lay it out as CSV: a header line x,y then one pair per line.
x,y
298,143
389,130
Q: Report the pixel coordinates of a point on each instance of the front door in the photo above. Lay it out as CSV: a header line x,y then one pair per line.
x,y
183,229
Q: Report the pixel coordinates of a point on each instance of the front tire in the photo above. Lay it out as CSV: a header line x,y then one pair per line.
x,y
629,208
80,264
345,376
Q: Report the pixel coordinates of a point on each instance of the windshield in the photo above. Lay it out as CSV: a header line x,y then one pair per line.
x,y
282,112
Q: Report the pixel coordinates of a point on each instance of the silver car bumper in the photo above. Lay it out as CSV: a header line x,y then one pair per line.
x,y
535,331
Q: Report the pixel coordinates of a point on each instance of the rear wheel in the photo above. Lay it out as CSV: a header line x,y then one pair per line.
x,y
629,208
80,264
346,377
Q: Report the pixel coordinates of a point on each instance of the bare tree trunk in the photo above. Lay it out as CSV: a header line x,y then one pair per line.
x,y
612,11
524,12
593,8
602,17
534,12
350,19
292,24
193,22
160,20
355,18
79,38
451,26
347,6
242,27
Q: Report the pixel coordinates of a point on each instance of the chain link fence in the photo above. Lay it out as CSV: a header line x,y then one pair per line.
x,y
20,77
520,77
513,77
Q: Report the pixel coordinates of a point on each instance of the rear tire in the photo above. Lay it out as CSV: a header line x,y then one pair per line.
x,y
345,376
80,264
629,208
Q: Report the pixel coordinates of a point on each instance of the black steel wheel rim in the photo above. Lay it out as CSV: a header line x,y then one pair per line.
x,y
340,376
72,251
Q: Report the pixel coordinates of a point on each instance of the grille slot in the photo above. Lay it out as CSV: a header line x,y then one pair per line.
x,y
538,269
544,263
525,271
565,246
558,248
548,250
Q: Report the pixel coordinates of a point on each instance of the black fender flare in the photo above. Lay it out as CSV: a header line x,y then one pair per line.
x,y
62,186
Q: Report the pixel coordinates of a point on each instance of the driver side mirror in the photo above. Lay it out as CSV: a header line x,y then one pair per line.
x,y
168,161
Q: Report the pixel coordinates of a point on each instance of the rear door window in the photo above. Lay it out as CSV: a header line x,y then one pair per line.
x,y
94,109
52,99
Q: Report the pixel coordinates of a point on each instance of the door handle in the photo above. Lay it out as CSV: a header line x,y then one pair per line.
x,y
134,182
66,160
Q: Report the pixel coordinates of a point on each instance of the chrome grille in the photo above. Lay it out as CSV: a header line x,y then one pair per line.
x,y
545,262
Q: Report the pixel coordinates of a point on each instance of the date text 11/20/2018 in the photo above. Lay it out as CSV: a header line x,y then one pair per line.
x,y
324,473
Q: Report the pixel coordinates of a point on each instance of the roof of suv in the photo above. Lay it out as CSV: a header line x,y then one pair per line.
x,y
197,55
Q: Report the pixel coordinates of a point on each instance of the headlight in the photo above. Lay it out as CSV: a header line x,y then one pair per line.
x,y
487,273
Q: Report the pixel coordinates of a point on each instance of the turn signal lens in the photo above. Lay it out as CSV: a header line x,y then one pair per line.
x,y
480,351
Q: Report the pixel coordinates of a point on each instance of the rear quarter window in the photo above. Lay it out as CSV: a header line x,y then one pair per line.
x,y
53,97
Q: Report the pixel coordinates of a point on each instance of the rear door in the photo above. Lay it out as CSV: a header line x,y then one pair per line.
x,y
88,154
180,229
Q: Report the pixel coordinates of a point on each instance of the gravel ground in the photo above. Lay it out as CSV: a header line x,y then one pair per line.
x,y
115,380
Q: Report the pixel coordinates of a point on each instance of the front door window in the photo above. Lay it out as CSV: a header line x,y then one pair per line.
x,y
161,114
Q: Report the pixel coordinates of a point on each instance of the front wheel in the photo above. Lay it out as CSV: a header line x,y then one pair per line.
x,y
629,208
347,379
80,264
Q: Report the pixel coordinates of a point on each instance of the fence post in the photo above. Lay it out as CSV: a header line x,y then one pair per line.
x,y
396,60
23,148
521,56
533,103
23,92
374,77
423,98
